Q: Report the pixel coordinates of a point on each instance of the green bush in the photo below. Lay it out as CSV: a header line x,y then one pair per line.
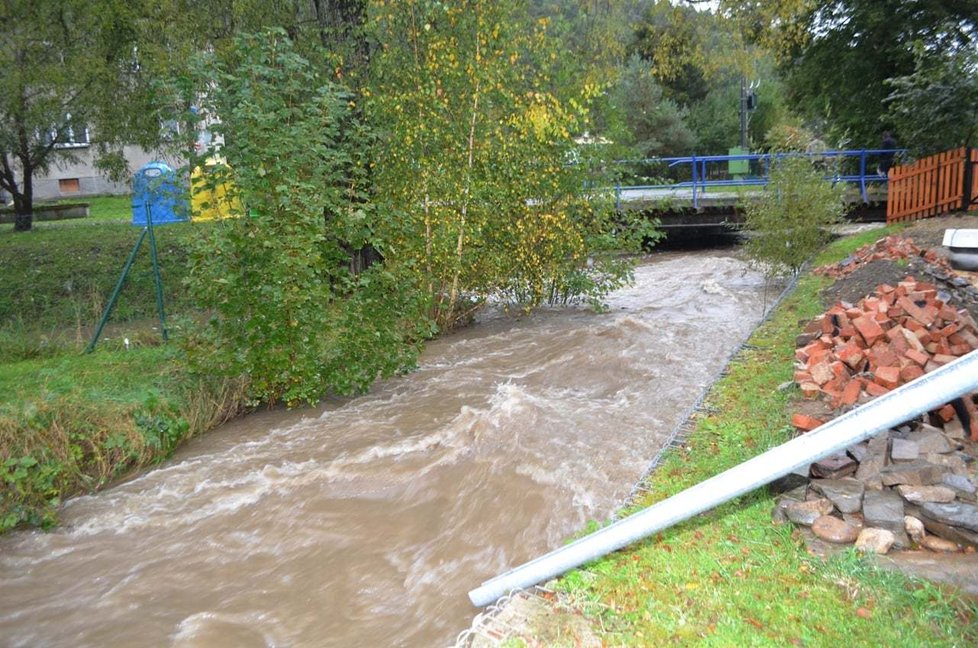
x,y
789,222
288,312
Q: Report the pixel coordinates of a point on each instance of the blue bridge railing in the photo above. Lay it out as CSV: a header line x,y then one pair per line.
x,y
699,173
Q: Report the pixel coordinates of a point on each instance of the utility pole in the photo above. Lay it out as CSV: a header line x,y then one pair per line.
x,y
743,113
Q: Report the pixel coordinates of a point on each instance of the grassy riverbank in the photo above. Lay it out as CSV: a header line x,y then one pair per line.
x,y
730,577
71,423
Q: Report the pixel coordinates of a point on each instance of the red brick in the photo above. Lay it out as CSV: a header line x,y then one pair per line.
x,y
821,373
839,370
874,389
912,340
883,356
949,330
948,314
895,333
817,355
868,328
960,349
814,326
943,359
852,355
917,356
969,338
911,372
885,288
802,376
913,325
888,377
809,389
946,413
851,393
923,294
805,422
964,317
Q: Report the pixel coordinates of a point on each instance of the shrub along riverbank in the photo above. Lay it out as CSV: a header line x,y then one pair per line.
x,y
731,577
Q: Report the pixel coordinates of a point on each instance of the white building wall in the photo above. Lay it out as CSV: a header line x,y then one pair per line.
x,y
63,178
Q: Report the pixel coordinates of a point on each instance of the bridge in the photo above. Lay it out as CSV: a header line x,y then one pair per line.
x,y
696,192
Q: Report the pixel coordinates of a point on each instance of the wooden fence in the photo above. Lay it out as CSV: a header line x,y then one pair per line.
x,y
933,185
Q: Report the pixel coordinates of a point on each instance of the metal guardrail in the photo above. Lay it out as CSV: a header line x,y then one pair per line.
x,y
759,167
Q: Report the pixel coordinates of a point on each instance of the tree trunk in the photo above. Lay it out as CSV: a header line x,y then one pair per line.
x,y
24,204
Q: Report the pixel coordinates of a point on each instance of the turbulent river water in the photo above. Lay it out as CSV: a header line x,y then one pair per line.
x,y
365,522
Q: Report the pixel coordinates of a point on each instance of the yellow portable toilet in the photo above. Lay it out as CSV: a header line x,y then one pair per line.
x,y
212,198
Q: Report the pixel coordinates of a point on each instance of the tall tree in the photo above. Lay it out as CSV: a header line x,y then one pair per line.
x,y
640,116
64,66
838,54
286,310
936,107
473,162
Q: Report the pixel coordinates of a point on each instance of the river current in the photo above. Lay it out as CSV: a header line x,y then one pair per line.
x,y
364,522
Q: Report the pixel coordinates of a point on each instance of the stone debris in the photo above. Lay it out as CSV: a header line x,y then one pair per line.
x,y
832,529
915,486
874,541
914,528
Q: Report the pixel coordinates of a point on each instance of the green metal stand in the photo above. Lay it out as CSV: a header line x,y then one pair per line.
x,y
157,279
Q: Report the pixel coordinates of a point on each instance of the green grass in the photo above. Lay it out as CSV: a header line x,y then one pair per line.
x,y
58,278
74,423
730,577
69,422
101,209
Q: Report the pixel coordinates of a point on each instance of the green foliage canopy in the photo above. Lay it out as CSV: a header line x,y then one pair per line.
x,y
838,56
936,107
288,311
473,158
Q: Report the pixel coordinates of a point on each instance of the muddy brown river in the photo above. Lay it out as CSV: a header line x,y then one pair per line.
x,y
365,522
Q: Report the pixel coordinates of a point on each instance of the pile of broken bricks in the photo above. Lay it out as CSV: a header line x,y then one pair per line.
x,y
914,486
853,353
891,247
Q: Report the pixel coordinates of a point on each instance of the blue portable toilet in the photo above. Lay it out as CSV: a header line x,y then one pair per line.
x,y
155,185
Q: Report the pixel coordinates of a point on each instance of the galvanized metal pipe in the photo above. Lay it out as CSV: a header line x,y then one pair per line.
x,y
898,406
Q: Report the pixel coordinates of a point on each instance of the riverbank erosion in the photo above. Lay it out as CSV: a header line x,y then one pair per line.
x,y
732,576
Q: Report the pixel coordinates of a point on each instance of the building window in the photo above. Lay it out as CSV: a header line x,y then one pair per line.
x,y
70,135
69,185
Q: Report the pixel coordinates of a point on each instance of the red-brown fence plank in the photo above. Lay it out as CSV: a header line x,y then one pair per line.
x,y
930,186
